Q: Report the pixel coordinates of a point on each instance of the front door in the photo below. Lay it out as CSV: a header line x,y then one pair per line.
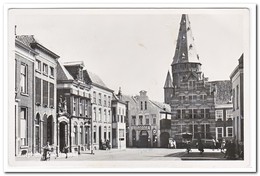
x,y
63,135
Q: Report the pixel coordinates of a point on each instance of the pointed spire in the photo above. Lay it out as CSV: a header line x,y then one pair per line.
x,y
185,48
168,82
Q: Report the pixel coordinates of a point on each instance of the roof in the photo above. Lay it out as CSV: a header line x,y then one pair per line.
x,y
75,63
162,106
62,73
96,79
168,81
223,91
185,48
31,42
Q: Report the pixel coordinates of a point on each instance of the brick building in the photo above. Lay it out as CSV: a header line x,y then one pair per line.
x,y
38,77
187,90
223,109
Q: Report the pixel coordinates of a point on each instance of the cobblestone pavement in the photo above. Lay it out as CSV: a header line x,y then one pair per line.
x,y
133,154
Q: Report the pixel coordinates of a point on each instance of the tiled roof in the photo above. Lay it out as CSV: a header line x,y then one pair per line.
x,y
168,81
223,91
62,73
162,106
26,39
96,79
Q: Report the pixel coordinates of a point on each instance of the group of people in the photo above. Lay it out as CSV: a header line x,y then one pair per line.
x,y
104,145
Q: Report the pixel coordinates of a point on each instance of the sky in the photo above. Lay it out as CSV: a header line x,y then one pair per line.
x,y
133,48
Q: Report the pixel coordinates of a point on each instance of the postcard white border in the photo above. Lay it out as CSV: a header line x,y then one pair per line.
x,y
250,84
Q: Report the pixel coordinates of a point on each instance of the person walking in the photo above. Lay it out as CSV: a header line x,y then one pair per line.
x,y
213,144
46,150
66,150
200,146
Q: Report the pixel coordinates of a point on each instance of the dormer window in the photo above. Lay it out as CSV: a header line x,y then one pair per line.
x,y
183,37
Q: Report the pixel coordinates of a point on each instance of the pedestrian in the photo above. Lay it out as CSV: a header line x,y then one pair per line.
x,y
188,147
100,144
200,146
217,144
66,150
46,150
222,147
108,144
231,154
227,148
174,144
213,144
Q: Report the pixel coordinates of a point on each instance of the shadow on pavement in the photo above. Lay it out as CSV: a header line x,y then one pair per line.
x,y
198,156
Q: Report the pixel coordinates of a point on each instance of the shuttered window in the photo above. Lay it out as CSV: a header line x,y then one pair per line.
x,y
38,90
45,93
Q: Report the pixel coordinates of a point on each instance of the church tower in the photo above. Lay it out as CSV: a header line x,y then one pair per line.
x,y
187,91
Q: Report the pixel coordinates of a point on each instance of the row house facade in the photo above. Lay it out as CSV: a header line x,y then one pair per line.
x,y
143,126
74,118
36,122
119,112
101,99
237,80
188,92
223,110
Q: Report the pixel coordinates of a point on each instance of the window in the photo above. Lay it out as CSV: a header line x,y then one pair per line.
x,y
75,131
190,113
196,131
145,105
207,113
105,100
81,135
105,115
80,107
51,95
202,112
191,84
154,118
140,120
45,69
219,132
121,133
109,101
94,134
202,130
99,114
108,117
86,108
178,113
141,105
94,97
74,106
99,98
183,113
208,134
95,114
52,72
38,65
229,114
45,93
23,127
133,120
237,97
229,131
24,79
219,115
195,113
38,88
147,120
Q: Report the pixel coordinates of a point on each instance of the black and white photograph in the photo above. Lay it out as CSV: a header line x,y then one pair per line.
x,y
131,88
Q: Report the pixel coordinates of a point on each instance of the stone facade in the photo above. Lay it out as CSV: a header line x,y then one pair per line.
x,y
101,98
118,121
237,79
74,116
144,115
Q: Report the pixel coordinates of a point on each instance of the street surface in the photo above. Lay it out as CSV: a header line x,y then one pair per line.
x,y
129,154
